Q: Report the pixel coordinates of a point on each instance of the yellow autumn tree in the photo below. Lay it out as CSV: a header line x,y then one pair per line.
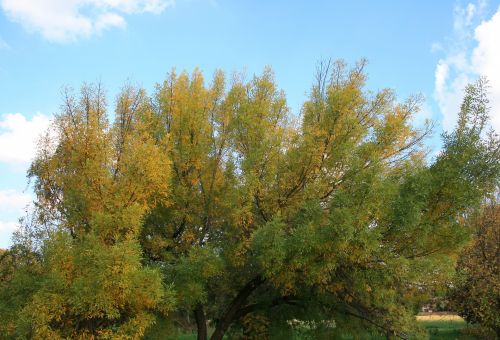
x,y
338,216
215,195
94,183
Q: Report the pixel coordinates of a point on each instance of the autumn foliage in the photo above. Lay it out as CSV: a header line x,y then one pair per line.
x,y
213,206
476,288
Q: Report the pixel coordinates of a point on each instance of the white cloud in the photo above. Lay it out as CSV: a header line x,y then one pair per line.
x,y
109,20
472,51
8,226
12,204
6,230
18,137
486,61
69,20
13,200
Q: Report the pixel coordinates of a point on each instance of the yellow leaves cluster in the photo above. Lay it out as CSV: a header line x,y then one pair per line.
x,y
102,284
99,181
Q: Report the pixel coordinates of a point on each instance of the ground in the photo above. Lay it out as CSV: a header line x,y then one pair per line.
x,y
439,326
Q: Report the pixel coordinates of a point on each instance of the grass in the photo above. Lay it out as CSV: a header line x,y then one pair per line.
x,y
440,327
448,327
444,329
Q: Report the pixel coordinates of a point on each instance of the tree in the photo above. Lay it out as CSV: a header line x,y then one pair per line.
x,y
338,217
94,183
476,290
253,217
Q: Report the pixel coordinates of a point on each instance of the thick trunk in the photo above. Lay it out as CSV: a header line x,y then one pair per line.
x,y
237,303
201,322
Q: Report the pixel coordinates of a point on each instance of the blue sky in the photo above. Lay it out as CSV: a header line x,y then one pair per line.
x,y
428,47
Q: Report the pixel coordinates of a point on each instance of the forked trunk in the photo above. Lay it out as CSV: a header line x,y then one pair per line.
x,y
230,315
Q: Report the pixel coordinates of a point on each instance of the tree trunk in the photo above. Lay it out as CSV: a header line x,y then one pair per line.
x,y
234,307
201,322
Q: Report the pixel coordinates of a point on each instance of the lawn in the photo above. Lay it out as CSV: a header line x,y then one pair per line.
x,y
440,327
445,329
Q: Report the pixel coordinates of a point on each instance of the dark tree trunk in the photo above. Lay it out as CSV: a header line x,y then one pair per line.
x,y
235,306
201,322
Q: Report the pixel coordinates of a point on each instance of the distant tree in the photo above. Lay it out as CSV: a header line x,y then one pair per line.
x,y
253,216
476,288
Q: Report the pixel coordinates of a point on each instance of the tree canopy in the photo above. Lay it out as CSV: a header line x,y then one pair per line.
x,y
476,288
215,201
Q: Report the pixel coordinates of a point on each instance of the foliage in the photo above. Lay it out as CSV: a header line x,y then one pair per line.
x,y
476,290
338,217
94,183
217,197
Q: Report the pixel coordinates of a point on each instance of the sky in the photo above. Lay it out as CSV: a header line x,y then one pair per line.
x,y
428,47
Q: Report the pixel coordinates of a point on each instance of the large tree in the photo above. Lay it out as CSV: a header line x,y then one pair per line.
x,y
335,216
252,215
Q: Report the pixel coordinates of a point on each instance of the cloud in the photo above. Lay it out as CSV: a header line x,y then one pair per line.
x,y
8,226
472,51
13,200
12,204
6,230
486,61
18,137
109,20
69,20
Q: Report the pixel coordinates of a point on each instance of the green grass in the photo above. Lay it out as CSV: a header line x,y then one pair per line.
x,y
446,329
438,330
